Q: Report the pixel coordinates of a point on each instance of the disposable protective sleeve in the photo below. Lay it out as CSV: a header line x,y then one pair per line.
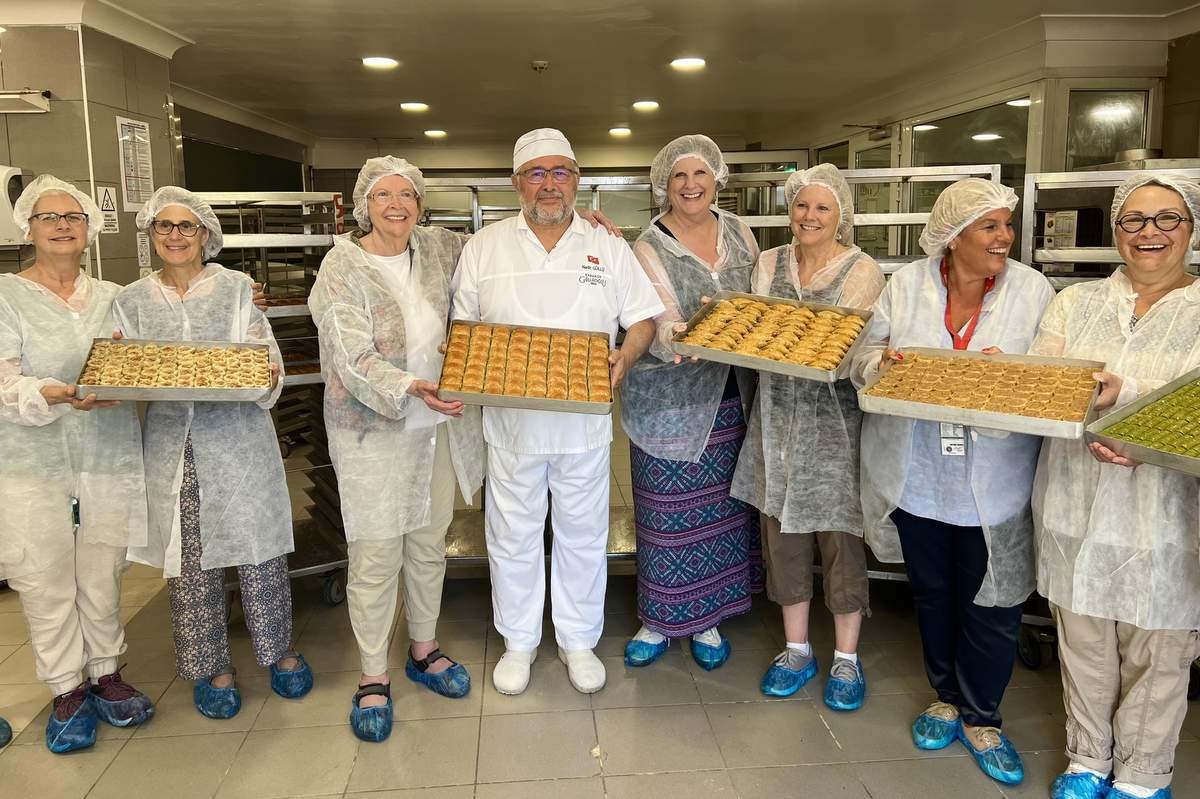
x,y
258,331
665,322
21,400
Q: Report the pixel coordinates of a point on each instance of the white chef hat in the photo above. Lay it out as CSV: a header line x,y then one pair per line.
x,y
538,144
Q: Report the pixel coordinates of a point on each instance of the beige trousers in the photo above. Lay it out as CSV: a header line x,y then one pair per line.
x,y
73,611
1125,693
374,572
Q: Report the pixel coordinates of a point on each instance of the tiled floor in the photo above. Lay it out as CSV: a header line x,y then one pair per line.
x,y
670,730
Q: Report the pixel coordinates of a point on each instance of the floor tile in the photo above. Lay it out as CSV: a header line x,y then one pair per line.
x,y
182,768
638,740
1034,718
549,689
1040,770
667,681
454,792
413,701
462,640
618,629
135,593
739,679
707,784
327,704
465,600
746,633
1186,781
312,761
19,667
418,754
14,630
330,650
772,734
150,660
809,781
537,746
882,729
9,601
590,788
939,778
150,621
175,712
21,703
34,771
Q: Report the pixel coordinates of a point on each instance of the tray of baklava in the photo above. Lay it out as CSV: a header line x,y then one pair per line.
x,y
206,371
520,366
1161,428
809,340
1031,394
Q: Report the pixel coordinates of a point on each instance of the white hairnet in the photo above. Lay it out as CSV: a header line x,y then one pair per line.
x,y
830,177
48,184
174,195
1188,190
375,170
959,205
693,146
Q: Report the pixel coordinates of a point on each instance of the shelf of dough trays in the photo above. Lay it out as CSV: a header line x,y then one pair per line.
x,y
286,311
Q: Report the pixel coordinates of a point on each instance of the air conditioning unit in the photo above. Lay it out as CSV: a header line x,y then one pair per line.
x,y
13,180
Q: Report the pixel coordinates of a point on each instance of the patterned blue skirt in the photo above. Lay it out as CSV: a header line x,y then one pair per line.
x,y
699,552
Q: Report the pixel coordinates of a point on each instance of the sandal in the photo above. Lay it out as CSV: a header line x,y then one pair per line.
x,y
454,682
372,724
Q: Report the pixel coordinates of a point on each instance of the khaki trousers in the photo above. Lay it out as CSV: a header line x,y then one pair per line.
x,y
373,581
73,611
1125,693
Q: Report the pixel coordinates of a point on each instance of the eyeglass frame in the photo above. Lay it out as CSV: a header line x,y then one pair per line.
x,y
173,226
527,174
375,196
1148,219
72,217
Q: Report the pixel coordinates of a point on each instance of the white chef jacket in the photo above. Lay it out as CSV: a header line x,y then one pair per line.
x,y
588,281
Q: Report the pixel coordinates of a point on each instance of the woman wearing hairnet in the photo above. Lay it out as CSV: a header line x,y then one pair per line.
x,y
799,464
381,302
699,557
72,492
214,476
1118,545
958,497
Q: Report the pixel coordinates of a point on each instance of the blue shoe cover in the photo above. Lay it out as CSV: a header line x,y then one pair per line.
x,y
930,732
292,684
1079,786
782,681
5,733
710,657
373,724
454,682
846,695
77,732
1161,793
216,703
643,653
126,707
1000,762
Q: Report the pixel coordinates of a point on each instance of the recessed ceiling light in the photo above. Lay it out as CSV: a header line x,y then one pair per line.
x,y
436,134
987,136
922,128
688,64
1109,112
620,132
1023,102
2,29
646,105
414,106
380,62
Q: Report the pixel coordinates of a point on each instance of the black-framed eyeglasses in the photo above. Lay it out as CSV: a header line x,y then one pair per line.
x,y
163,227
1165,221
537,174
51,218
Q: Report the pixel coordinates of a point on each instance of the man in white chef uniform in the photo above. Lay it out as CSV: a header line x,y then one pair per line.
x,y
550,268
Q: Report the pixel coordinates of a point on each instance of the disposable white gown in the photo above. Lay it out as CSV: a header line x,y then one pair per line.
x,y
383,466
245,512
668,409
799,463
911,313
49,454
1114,542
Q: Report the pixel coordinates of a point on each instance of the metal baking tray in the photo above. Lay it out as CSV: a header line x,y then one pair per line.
x,y
179,394
1013,423
528,403
1139,452
766,364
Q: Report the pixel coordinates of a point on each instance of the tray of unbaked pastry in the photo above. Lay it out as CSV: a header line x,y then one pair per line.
x,y
1161,428
1031,394
790,337
518,366
206,371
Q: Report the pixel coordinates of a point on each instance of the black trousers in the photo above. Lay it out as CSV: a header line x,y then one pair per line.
x,y
969,650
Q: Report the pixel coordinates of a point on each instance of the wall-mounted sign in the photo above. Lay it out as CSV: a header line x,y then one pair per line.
x,y
106,198
143,242
137,169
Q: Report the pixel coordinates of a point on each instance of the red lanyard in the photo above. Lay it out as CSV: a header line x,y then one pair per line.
x,y
963,341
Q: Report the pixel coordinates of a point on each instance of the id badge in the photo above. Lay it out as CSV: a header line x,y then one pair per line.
x,y
953,440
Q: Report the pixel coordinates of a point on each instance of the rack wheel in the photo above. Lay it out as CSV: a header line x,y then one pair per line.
x,y
333,592
1034,648
1194,685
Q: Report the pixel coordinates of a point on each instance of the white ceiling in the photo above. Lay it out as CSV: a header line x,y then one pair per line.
x,y
298,61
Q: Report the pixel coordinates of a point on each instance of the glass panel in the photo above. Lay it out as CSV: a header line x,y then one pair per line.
x,y
1100,124
873,198
630,210
838,155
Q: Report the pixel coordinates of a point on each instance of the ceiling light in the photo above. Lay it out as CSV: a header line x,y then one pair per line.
x,y
619,132
987,136
414,106
688,64
646,105
380,62
436,134
1023,102
1110,112
925,127
2,29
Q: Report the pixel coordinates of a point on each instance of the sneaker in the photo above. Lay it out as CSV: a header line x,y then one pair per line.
x,y
937,727
120,704
994,753
584,668
788,673
846,688
214,702
293,683
1083,785
710,649
72,722
511,675
1117,792
645,647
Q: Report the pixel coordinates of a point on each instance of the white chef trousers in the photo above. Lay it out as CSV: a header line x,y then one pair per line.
x,y
373,580
515,520
73,611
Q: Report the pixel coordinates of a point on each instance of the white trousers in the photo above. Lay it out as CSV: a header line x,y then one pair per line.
x,y
73,609
373,581
515,521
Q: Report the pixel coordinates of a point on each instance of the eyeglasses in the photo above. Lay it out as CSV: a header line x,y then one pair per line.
x,y
163,227
1165,221
384,197
560,174
51,218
